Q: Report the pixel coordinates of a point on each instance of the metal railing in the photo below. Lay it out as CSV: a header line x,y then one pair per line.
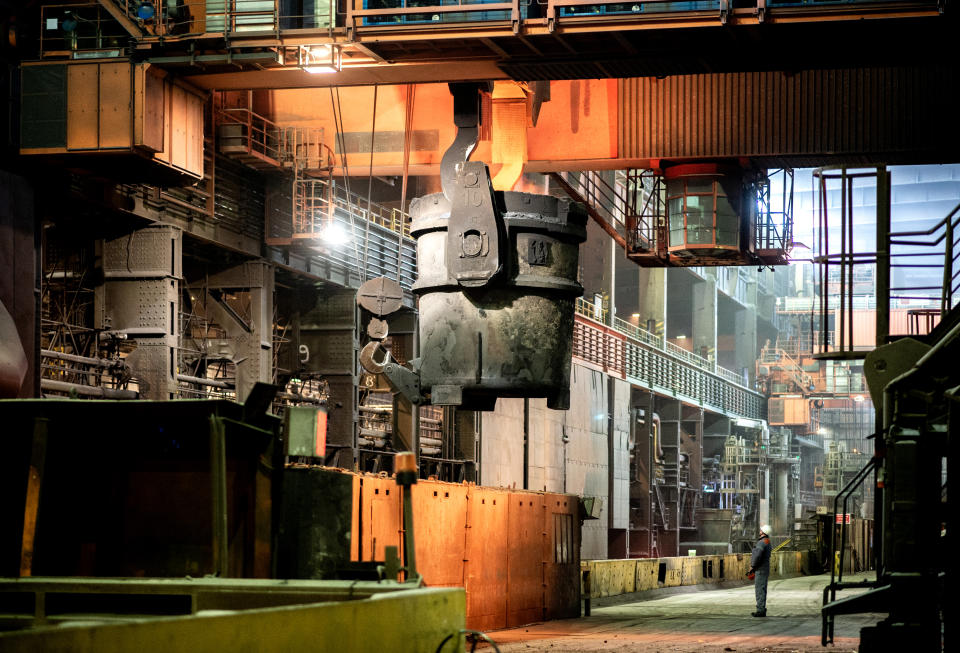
x,y
690,357
926,245
643,358
258,135
774,228
184,19
786,362
912,266
194,17
363,239
837,549
300,148
646,210
412,14
609,201
82,30
590,311
315,200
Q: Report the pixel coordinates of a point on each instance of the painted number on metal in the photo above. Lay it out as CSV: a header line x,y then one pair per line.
x,y
538,252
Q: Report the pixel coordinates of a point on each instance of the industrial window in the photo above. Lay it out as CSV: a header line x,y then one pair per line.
x,y
701,213
562,538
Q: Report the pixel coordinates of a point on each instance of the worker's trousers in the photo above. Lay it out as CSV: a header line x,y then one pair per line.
x,y
760,587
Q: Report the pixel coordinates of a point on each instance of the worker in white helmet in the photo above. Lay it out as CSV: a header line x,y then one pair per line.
x,y
760,570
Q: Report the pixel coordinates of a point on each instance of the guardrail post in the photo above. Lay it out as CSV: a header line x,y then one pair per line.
x,y
587,590
946,298
349,20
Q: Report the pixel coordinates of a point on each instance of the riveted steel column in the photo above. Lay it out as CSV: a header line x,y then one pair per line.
x,y
140,299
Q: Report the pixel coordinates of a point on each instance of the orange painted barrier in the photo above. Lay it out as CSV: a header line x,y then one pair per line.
x,y
515,552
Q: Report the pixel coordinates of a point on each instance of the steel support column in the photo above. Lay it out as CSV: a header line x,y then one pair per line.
x,y
252,334
139,299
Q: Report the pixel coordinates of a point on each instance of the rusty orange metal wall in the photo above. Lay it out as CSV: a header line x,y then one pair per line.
x,y
82,110
379,509
811,116
578,123
486,567
98,109
516,553
183,129
126,108
148,109
440,531
525,530
789,410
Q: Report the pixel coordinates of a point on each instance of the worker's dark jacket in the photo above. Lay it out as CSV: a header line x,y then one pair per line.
x,y
760,558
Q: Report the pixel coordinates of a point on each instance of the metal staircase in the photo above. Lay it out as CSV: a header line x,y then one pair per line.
x,y
604,203
775,356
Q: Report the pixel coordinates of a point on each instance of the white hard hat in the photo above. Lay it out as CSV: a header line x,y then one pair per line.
x,y
765,529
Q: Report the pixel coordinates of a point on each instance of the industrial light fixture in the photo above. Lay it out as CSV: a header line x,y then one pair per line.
x,y
146,11
334,234
69,22
858,398
315,59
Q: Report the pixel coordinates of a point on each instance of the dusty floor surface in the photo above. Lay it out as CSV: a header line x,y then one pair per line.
x,y
697,621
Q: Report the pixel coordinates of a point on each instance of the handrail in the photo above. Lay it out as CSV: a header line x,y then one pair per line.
x,y
613,203
588,310
946,228
354,13
836,570
338,196
196,17
555,7
259,131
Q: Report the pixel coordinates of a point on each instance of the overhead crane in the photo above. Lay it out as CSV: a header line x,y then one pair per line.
x,y
562,46
266,45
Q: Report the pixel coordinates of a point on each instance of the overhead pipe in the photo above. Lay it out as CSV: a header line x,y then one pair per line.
x,y
657,445
74,358
213,383
87,390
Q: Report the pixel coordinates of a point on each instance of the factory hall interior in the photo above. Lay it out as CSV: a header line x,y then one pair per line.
x,y
501,325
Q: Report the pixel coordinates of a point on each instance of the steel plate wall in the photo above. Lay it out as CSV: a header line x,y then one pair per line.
x,y
517,553
804,118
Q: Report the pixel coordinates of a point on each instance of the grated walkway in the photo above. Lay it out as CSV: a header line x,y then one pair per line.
x,y
698,620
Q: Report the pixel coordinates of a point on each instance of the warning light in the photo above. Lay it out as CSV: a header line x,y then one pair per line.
x,y
320,441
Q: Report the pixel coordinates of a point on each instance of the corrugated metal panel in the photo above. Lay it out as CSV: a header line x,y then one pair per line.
x,y
851,113
240,197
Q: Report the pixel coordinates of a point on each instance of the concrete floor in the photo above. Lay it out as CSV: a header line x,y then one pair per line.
x,y
698,620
